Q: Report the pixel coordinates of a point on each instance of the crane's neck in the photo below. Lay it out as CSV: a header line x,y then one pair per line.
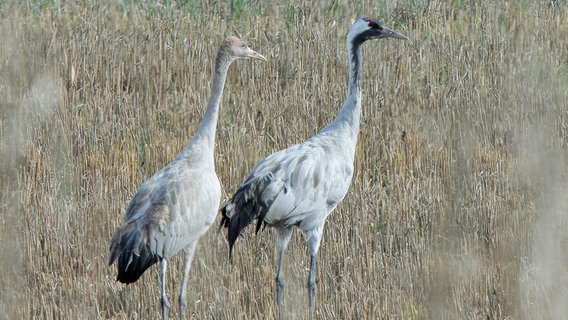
x,y
347,121
202,145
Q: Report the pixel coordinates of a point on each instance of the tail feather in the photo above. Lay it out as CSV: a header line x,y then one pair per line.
x,y
245,206
133,253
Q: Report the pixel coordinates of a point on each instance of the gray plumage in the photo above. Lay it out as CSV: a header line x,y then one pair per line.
x,y
178,204
301,185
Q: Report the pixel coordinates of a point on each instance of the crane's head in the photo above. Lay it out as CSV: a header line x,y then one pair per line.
x,y
234,48
366,28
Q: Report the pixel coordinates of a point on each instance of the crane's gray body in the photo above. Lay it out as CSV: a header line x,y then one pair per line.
x,y
306,182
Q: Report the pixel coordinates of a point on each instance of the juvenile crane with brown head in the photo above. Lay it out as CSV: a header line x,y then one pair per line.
x,y
178,204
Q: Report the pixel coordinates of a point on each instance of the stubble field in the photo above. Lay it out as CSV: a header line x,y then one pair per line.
x,y
459,203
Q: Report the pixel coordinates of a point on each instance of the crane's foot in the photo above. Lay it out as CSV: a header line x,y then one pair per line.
x,y
312,291
182,307
165,307
280,284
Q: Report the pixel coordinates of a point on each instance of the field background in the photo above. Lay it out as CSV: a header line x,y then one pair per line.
x,y
459,203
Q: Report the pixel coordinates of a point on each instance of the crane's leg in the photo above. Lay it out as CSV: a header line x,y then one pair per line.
x,y
188,257
165,302
314,240
282,239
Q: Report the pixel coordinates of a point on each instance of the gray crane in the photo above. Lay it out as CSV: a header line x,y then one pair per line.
x,y
178,204
301,185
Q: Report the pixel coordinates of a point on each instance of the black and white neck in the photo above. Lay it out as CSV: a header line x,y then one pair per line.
x,y
347,121
350,114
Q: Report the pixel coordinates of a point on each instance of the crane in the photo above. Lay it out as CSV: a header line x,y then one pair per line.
x,y
301,185
178,204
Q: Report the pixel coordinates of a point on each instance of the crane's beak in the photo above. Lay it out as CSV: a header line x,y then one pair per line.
x,y
387,33
254,55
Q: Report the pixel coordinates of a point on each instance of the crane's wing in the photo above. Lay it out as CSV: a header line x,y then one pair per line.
x,y
170,210
309,181
299,186
174,207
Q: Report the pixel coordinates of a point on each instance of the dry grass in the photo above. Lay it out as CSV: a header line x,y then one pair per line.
x,y
458,207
